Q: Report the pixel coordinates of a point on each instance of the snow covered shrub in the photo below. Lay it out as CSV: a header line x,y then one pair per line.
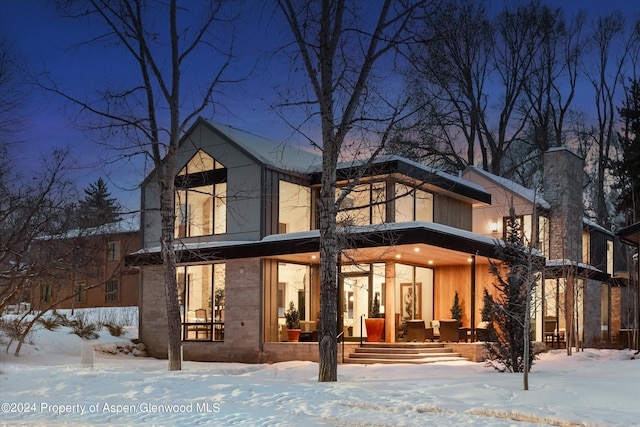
x,y
84,328
114,329
50,323
13,328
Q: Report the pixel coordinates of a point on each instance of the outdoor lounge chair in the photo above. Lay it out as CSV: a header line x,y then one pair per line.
x,y
416,331
449,330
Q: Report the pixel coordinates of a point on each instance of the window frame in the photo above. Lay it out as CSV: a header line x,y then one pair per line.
x,y
109,294
193,179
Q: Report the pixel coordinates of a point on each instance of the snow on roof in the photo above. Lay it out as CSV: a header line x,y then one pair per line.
x,y
454,178
128,224
593,224
314,234
514,187
281,155
569,263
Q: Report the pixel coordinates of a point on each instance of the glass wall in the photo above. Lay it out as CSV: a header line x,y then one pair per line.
x,y
294,208
362,284
201,293
414,292
364,205
412,204
200,198
294,286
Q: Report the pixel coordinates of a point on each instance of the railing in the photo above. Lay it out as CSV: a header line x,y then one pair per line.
x,y
361,317
341,335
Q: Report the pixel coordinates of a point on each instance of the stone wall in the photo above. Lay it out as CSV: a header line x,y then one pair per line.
x,y
242,316
592,313
153,312
563,191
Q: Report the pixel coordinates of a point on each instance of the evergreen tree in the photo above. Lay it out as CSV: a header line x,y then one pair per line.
x,y
514,281
98,207
487,306
626,169
456,310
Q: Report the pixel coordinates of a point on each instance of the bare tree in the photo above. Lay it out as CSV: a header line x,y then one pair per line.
x,y
484,79
161,39
449,70
30,206
610,44
12,91
339,50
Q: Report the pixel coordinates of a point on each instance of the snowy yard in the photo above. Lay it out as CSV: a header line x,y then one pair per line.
x,y
48,385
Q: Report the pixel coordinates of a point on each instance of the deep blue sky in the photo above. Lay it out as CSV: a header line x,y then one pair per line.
x,y
45,41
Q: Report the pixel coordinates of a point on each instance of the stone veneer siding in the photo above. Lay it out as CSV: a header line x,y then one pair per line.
x,y
592,313
243,296
563,191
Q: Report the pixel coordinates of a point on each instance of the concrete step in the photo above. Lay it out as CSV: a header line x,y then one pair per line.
x,y
403,356
402,353
369,361
391,350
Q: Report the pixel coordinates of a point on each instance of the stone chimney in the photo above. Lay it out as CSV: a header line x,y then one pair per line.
x,y
562,184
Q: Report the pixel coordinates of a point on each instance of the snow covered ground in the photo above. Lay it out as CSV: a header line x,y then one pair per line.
x,y
51,384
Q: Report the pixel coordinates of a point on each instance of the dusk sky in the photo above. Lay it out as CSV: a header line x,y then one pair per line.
x,y
45,41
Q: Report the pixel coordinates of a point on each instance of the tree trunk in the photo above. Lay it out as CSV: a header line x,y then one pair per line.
x,y
174,349
329,251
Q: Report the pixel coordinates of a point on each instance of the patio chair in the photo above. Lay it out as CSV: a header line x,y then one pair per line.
x,y
550,330
449,330
416,331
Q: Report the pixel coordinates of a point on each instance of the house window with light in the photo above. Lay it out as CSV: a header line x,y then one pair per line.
x,y
364,205
294,208
201,294
412,204
201,193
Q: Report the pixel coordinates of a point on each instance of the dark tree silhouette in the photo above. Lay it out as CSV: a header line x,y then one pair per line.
x,y
98,207
626,168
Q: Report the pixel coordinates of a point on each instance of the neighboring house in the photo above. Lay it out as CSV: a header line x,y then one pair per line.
x,y
87,268
577,290
248,245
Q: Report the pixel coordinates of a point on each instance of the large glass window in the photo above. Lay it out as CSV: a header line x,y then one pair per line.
x,y
412,204
543,235
201,292
201,197
294,208
364,205
586,248
414,292
293,286
362,285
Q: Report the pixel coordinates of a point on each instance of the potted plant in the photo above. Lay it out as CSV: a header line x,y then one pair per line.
x,y
375,322
292,317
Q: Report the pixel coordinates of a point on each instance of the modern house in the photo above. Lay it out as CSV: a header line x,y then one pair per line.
x,y
576,295
85,268
248,246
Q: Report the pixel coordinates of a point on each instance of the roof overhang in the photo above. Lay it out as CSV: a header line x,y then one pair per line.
x,y
630,235
560,268
410,242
